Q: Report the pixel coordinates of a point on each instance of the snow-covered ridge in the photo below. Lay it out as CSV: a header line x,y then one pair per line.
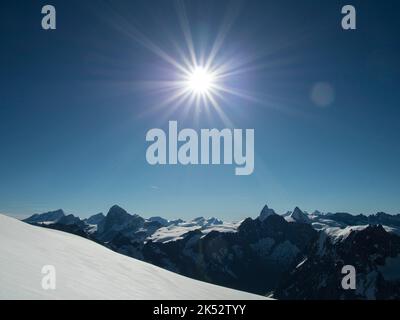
x,y
177,231
158,229
336,234
86,270
340,234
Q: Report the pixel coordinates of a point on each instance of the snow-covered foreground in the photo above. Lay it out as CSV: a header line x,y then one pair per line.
x,y
86,270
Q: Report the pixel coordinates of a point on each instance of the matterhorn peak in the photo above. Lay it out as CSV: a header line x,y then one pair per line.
x,y
265,213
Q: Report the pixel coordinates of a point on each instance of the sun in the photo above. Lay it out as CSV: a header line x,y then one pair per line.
x,y
200,81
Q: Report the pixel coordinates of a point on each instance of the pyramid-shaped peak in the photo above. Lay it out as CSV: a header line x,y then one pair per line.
x,y
266,212
299,216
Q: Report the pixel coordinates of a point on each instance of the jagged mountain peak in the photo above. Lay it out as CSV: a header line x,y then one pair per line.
x,y
265,213
118,220
119,214
297,210
117,210
299,216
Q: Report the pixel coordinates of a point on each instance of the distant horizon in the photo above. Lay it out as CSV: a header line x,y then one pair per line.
x,y
186,218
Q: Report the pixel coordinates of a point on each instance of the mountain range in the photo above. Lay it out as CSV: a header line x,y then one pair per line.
x,y
295,255
85,270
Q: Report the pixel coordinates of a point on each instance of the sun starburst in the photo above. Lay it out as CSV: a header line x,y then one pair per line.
x,y
200,81
195,78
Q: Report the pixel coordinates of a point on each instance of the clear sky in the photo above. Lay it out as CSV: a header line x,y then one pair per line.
x,y
76,103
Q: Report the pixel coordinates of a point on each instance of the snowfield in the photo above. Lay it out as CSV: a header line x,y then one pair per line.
x,y
86,270
178,231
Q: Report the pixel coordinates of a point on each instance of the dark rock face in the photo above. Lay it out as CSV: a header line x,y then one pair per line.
x,y
71,220
118,221
252,259
385,219
95,219
370,251
299,216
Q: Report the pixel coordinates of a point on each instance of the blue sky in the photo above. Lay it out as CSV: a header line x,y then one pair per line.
x,y
74,110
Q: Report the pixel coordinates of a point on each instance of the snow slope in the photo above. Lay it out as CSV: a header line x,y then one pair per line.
x,y
86,270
